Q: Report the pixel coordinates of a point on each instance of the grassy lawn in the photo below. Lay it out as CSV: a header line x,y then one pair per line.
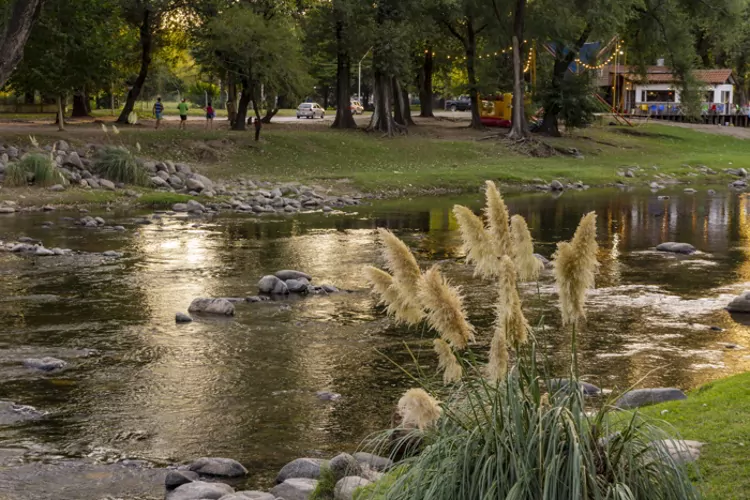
x,y
717,414
442,154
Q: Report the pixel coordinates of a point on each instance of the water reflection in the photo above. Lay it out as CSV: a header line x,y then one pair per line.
x,y
246,387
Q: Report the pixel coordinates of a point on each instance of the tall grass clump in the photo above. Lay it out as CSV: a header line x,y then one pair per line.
x,y
16,175
36,166
120,165
497,430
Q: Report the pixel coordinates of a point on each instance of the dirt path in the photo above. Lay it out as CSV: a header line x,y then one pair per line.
x,y
738,132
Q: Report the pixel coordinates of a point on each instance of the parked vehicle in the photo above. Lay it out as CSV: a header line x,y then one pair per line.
x,y
463,103
310,110
356,108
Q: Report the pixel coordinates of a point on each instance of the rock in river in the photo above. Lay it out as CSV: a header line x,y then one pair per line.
x,y
268,283
378,463
292,275
218,467
297,285
220,307
182,318
199,490
671,246
11,413
557,384
300,468
46,364
344,465
177,478
740,304
644,397
295,489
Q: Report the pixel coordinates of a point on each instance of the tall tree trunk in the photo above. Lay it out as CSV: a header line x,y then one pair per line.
x,y
562,63
271,110
28,98
407,107
471,53
147,45
382,120
80,107
240,121
15,34
399,113
519,128
344,118
60,114
425,86
325,90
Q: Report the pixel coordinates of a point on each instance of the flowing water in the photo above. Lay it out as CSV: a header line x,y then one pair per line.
x,y
246,387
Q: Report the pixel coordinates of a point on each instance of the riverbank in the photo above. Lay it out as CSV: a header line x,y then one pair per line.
x,y
437,156
716,414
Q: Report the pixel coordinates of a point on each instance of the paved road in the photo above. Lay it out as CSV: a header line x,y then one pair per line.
x,y
330,115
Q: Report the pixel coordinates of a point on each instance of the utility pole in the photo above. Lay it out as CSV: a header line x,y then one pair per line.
x,y
359,88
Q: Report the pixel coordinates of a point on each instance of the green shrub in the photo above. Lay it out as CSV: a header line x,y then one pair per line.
x,y
16,175
326,484
120,165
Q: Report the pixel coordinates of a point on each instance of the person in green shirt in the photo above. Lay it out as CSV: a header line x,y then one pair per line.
x,y
183,107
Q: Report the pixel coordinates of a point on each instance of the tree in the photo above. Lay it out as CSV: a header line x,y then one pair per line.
x,y
71,48
519,129
258,50
14,32
465,21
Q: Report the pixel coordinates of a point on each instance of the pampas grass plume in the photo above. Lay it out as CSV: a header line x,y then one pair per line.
x,y
497,219
478,245
406,277
497,365
527,265
510,316
447,361
104,128
418,409
445,308
575,267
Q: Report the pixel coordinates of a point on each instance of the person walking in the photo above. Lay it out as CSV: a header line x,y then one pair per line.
x,y
258,126
158,112
231,112
183,108
210,113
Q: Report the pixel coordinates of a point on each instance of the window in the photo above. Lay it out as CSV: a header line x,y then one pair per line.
x,y
725,94
660,96
643,96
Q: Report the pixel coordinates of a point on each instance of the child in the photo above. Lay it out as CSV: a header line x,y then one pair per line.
x,y
158,111
183,107
210,113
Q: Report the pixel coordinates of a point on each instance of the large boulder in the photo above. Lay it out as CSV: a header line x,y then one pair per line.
x,y
194,206
218,467
200,490
176,478
220,307
556,186
207,183
300,468
158,182
46,364
740,304
180,207
674,247
373,461
195,185
73,160
345,487
645,397
344,465
294,489
292,275
108,185
297,286
267,284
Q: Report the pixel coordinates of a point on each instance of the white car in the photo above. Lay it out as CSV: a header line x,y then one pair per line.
x,y
356,108
310,110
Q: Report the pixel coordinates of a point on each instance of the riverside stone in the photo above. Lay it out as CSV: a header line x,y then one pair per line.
x,y
557,384
343,465
556,185
380,464
300,468
740,304
182,318
12,413
346,487
200,490
46,364
295,489
267,284
219,307
297,285
218,467
249,495
645,397
681,451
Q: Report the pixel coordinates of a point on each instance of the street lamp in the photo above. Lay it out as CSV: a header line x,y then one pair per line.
x,y
359,88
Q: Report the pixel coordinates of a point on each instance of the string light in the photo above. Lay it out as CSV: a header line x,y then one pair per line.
x,y
602,65
488,55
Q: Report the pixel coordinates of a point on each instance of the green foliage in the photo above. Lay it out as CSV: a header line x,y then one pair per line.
x,y
16,175
572,99
45,171
198,91
326,485
120,165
